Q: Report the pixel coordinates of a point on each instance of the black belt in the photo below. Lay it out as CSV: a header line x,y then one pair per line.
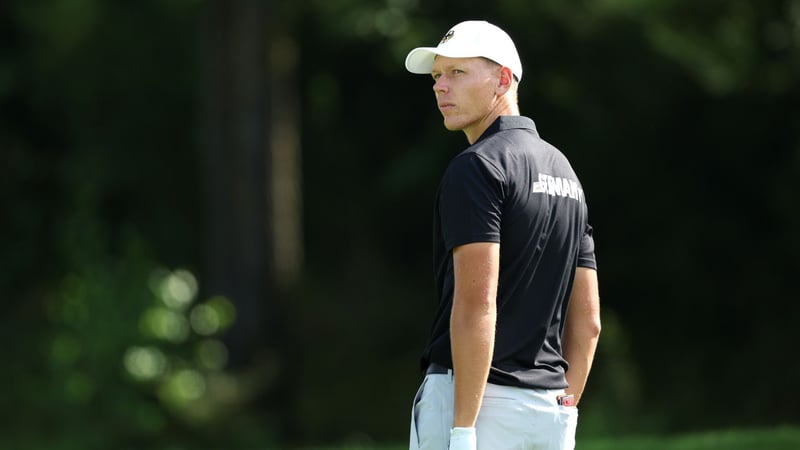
x,y
436,369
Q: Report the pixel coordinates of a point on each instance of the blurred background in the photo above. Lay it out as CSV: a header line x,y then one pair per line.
x,y
216,214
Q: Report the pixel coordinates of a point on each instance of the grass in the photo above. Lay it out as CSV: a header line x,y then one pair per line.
x,y
778,438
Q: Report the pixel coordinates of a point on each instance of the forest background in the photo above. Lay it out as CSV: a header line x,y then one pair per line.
x,y
216,214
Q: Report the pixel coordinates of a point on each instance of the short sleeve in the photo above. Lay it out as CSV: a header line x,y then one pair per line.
x,y
586,256
471,201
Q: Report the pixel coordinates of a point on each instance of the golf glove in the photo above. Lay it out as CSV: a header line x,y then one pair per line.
x,y
463,439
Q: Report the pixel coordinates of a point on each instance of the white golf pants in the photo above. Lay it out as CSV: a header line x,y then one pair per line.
x,y
510,418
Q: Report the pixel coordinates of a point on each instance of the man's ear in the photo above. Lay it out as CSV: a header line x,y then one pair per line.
x,y
505,81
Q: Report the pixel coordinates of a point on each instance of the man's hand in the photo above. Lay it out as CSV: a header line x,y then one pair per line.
x,y
463,439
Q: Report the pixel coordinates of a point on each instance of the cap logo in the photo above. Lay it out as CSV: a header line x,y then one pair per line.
x,y
447,37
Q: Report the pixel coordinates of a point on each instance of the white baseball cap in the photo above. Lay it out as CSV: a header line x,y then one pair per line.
x,y
473,38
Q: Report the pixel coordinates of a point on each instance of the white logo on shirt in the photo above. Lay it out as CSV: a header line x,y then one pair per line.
x,y
557,186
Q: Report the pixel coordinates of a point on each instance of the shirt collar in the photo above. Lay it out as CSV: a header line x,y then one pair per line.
x,y
508,123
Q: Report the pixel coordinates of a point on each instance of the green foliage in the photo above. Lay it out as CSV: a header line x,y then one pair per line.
x,y
108,351
139,360
777,438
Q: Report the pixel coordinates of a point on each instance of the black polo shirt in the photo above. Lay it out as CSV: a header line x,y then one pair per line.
x,y
514,188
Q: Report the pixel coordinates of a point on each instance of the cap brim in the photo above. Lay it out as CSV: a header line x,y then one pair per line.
x,y
420,60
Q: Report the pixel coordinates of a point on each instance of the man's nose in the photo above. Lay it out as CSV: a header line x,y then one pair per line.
x,y
439,86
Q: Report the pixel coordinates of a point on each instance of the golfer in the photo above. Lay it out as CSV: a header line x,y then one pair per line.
x,y
518,317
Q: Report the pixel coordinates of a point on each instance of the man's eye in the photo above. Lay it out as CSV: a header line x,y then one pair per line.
x,y
457,71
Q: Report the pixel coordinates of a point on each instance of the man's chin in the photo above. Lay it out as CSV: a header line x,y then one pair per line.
x,y
450,126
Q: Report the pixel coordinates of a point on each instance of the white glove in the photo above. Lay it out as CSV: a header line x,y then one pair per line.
x,y
463,439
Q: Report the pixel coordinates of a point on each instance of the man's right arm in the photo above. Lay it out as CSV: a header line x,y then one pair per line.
x,y
581,329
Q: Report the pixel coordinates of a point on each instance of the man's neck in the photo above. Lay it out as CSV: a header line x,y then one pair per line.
x,y
505,109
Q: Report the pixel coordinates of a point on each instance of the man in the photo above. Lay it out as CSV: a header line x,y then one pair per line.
x,y
518,319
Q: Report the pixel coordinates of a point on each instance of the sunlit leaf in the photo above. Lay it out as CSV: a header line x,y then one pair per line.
x,y
145,363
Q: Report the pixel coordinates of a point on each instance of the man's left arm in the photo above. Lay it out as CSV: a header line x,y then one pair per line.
x,y
472,325
581,329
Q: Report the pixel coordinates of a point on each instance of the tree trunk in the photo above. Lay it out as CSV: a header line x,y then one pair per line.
x,y
250,146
